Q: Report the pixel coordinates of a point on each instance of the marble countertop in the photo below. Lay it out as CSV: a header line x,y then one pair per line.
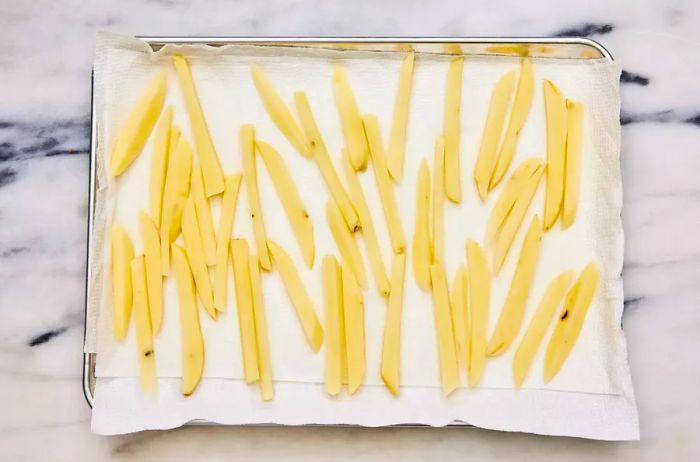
x,y
44,140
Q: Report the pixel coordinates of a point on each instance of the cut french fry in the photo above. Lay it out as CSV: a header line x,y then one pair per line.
x,y
449,371
345,240
192,236
569,324
438,237
142,325
479,300
291,202
386,191
391,346
452,128
399,124
369,234
204,220
323,161
521,107
137,128
122,293
223,239
159,164
261,332
333,297
350,120
514,219
493,129
211,168
177,188
191,331
244,304
511,316
538,326
573,161
555,110
279,112
460,316
354,314
298,296
422,247
154,273
251,183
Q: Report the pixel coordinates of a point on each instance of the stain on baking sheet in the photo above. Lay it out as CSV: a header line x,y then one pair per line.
x,y
585,30
46,336
631,77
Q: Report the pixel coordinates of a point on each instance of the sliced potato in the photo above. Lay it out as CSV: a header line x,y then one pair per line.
x,y
391,345
159,164
244,304
350,120
122,293
399,124
460,316
333,297
449,371
452,129
422,247
354,313
192,236
572,164
142,325
438,237
154,273
555,108
479,300
345,240
223,239
204,220
261,332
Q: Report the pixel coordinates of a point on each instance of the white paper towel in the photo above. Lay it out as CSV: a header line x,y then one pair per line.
x,y
596,373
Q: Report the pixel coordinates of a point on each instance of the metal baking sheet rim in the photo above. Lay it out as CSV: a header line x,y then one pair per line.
x,y
89,359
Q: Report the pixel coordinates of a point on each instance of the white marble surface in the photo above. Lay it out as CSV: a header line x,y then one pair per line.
x,y
46,55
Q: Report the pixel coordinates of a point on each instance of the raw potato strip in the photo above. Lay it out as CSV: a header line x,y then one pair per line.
x,y
345,240
323,161
479,299
573,161
569,324
261,332
122,293
154,273
142,324
244,305
223,238
191,331
511,316
354,313
538,326
333,297
438,237
386,191
449,371
399,124
159,164
369,234
488,151
192,236
460,316
298,296
521,107
291,202
204,220
251,181
422,246
350,120
391,346
452,128
555,109
211,168
137,128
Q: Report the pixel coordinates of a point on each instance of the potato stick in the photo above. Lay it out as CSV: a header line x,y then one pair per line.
x,y
159,164
350,119
192,236
154,273
460,316
122,292
452,128
555,109
261,332
391,345
204,220
479,300
345,240
354,314
142,325
449,371
399,124
573,162
422,246
223,238
333,297
244,305
438,237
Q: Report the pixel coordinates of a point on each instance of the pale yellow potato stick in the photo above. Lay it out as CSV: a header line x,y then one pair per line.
x,y
159,164
133,134
122,292
204,220
449,371
250,174
191,331
350,120
195,254
333,297
261,332
438,230
386,190
142,326
347,246
293,206
154,273
518,114
422,245
391,345
537,328
460,316
172,147
354,313
479,300
573,162
399,124
493,129
555,110
511,317
323,161
223,238
211,168
298,296
244,305
369,234
452,129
